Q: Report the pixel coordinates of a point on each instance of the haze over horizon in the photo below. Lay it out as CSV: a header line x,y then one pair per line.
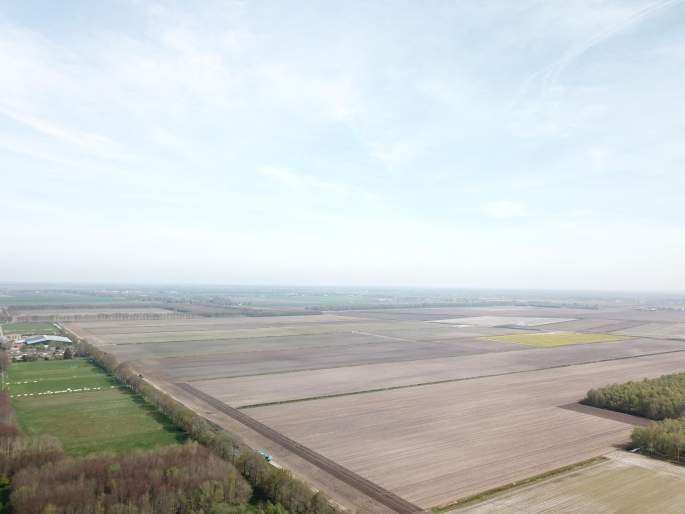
x,y
528,145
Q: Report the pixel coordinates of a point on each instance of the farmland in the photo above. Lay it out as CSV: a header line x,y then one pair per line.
x,y
29,329
156,336
426,427
547,339
624,483
657,330
474,403
496,321
284,361
87,410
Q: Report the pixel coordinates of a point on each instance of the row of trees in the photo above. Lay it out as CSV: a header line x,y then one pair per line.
x,y
404,305
18,451
278,484
656,399
66,318
237,311
81,306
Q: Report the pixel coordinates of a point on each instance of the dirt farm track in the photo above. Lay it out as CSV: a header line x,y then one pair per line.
x,y
392,412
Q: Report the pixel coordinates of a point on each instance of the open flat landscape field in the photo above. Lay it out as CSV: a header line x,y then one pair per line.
x,y
202,324
435,444
275,344
283,361
614,313
432,412
548,339
497,321
657,330
112,333
241,391
624,484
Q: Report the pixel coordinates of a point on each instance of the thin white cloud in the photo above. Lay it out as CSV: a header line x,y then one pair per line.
x,y
302,182
87,141
505,209
550,74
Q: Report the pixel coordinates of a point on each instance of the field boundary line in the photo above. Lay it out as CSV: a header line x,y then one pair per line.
x,y
360,483
422,384
490,493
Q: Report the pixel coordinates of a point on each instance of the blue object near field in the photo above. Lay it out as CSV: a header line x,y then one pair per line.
x,y
266,456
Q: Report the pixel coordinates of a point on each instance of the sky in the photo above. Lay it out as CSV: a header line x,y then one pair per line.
x,y
528,144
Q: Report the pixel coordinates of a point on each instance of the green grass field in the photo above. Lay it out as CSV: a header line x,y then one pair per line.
x,y
49,376
30,329
556,338
111,418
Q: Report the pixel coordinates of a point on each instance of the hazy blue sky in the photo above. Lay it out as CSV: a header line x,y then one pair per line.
x,y
474,143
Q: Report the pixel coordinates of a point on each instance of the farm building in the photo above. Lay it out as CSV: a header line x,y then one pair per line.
x,y
46,339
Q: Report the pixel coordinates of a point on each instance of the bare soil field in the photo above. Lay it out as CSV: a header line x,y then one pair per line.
x,y
498,321
657,330
614,313
254,344
435,444
282,361
201,324
585,324
437,332
501,414
626,483
253,390
260,344
458,312
160,335
638,315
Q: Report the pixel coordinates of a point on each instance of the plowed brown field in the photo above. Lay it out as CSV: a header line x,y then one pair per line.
x,y
435,444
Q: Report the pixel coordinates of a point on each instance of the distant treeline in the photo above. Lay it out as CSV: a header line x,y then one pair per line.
x,y
656,399
278,484
234,311
79,306
174,311
392,305
66,318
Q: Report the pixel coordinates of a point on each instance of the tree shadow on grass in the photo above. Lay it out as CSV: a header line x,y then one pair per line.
x,y
167,424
